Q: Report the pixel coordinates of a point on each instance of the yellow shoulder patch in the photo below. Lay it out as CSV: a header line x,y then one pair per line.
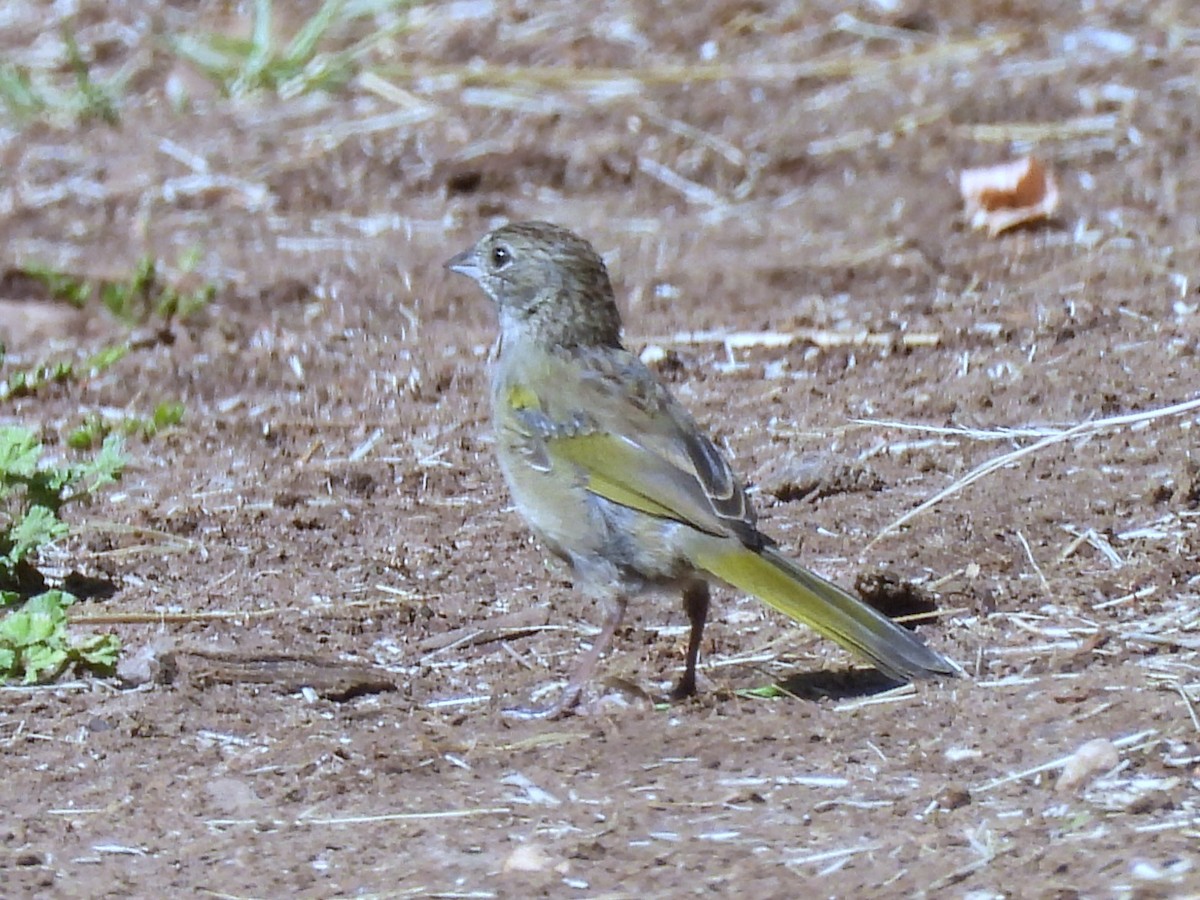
x,y
520,397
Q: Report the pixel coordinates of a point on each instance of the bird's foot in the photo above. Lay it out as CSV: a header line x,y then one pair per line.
x,y
618,694
564,706
533,713
684,689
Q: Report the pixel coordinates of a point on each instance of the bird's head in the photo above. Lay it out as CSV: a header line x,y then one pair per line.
x,y
547,283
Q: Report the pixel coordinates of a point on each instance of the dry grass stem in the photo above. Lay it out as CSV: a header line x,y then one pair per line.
x,y
859,69
1033,562
895,695
1129,741
827,855
403,817
1032,133
818,337
1006,459
1191,707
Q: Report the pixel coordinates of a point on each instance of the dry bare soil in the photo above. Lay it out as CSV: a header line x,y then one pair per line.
x,y
319,568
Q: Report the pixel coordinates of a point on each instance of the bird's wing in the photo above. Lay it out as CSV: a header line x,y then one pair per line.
x,y
630,442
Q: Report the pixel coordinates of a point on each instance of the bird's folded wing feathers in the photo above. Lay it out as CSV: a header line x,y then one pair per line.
x,y
624,472
633,445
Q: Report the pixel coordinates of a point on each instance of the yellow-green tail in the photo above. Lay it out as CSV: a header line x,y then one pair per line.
x,y
823,606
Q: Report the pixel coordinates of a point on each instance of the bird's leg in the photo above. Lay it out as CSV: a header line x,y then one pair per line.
x,y
695,604
586,665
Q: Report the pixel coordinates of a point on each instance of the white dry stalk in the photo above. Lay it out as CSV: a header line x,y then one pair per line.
x,y
361,451
1142,594
1130,740
977,434
402,817
818,337
1009,132
895,695
1006,459
1033,562
1094,539
831,854
691,191
1191,707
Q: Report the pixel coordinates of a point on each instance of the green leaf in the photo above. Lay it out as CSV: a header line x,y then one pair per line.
x,y
88,434
31,627
304,44
97,651
168,414
61,286
96,101
17,92
107,465
38,527
20,451
54,602
106,357
34,644
44,661
766,692
15,629
34,641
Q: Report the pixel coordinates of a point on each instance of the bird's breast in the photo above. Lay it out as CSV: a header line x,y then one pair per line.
x,y
549,495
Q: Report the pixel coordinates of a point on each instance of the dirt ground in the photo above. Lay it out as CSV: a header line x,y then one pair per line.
x,y
319,571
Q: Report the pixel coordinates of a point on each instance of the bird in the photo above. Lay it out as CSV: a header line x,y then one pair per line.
x,y
614,476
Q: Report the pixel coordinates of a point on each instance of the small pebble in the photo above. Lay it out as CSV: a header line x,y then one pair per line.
x,y
527,857
1091,759
954,796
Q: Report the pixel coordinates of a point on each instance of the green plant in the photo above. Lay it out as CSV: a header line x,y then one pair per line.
x,y
31,93
60,285
26,382
21,99
36,646
242,66
95,428
34,641
765,692
97,100
145,296
142,298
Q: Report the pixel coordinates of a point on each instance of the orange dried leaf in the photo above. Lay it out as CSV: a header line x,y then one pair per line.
x,y
1001,197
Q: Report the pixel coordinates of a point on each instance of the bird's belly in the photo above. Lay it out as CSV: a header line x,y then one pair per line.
x,y
593,533
555,507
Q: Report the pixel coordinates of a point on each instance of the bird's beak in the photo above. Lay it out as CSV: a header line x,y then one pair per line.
x,y
464,264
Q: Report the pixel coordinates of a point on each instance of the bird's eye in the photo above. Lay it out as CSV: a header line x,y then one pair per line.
x,y
501,257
